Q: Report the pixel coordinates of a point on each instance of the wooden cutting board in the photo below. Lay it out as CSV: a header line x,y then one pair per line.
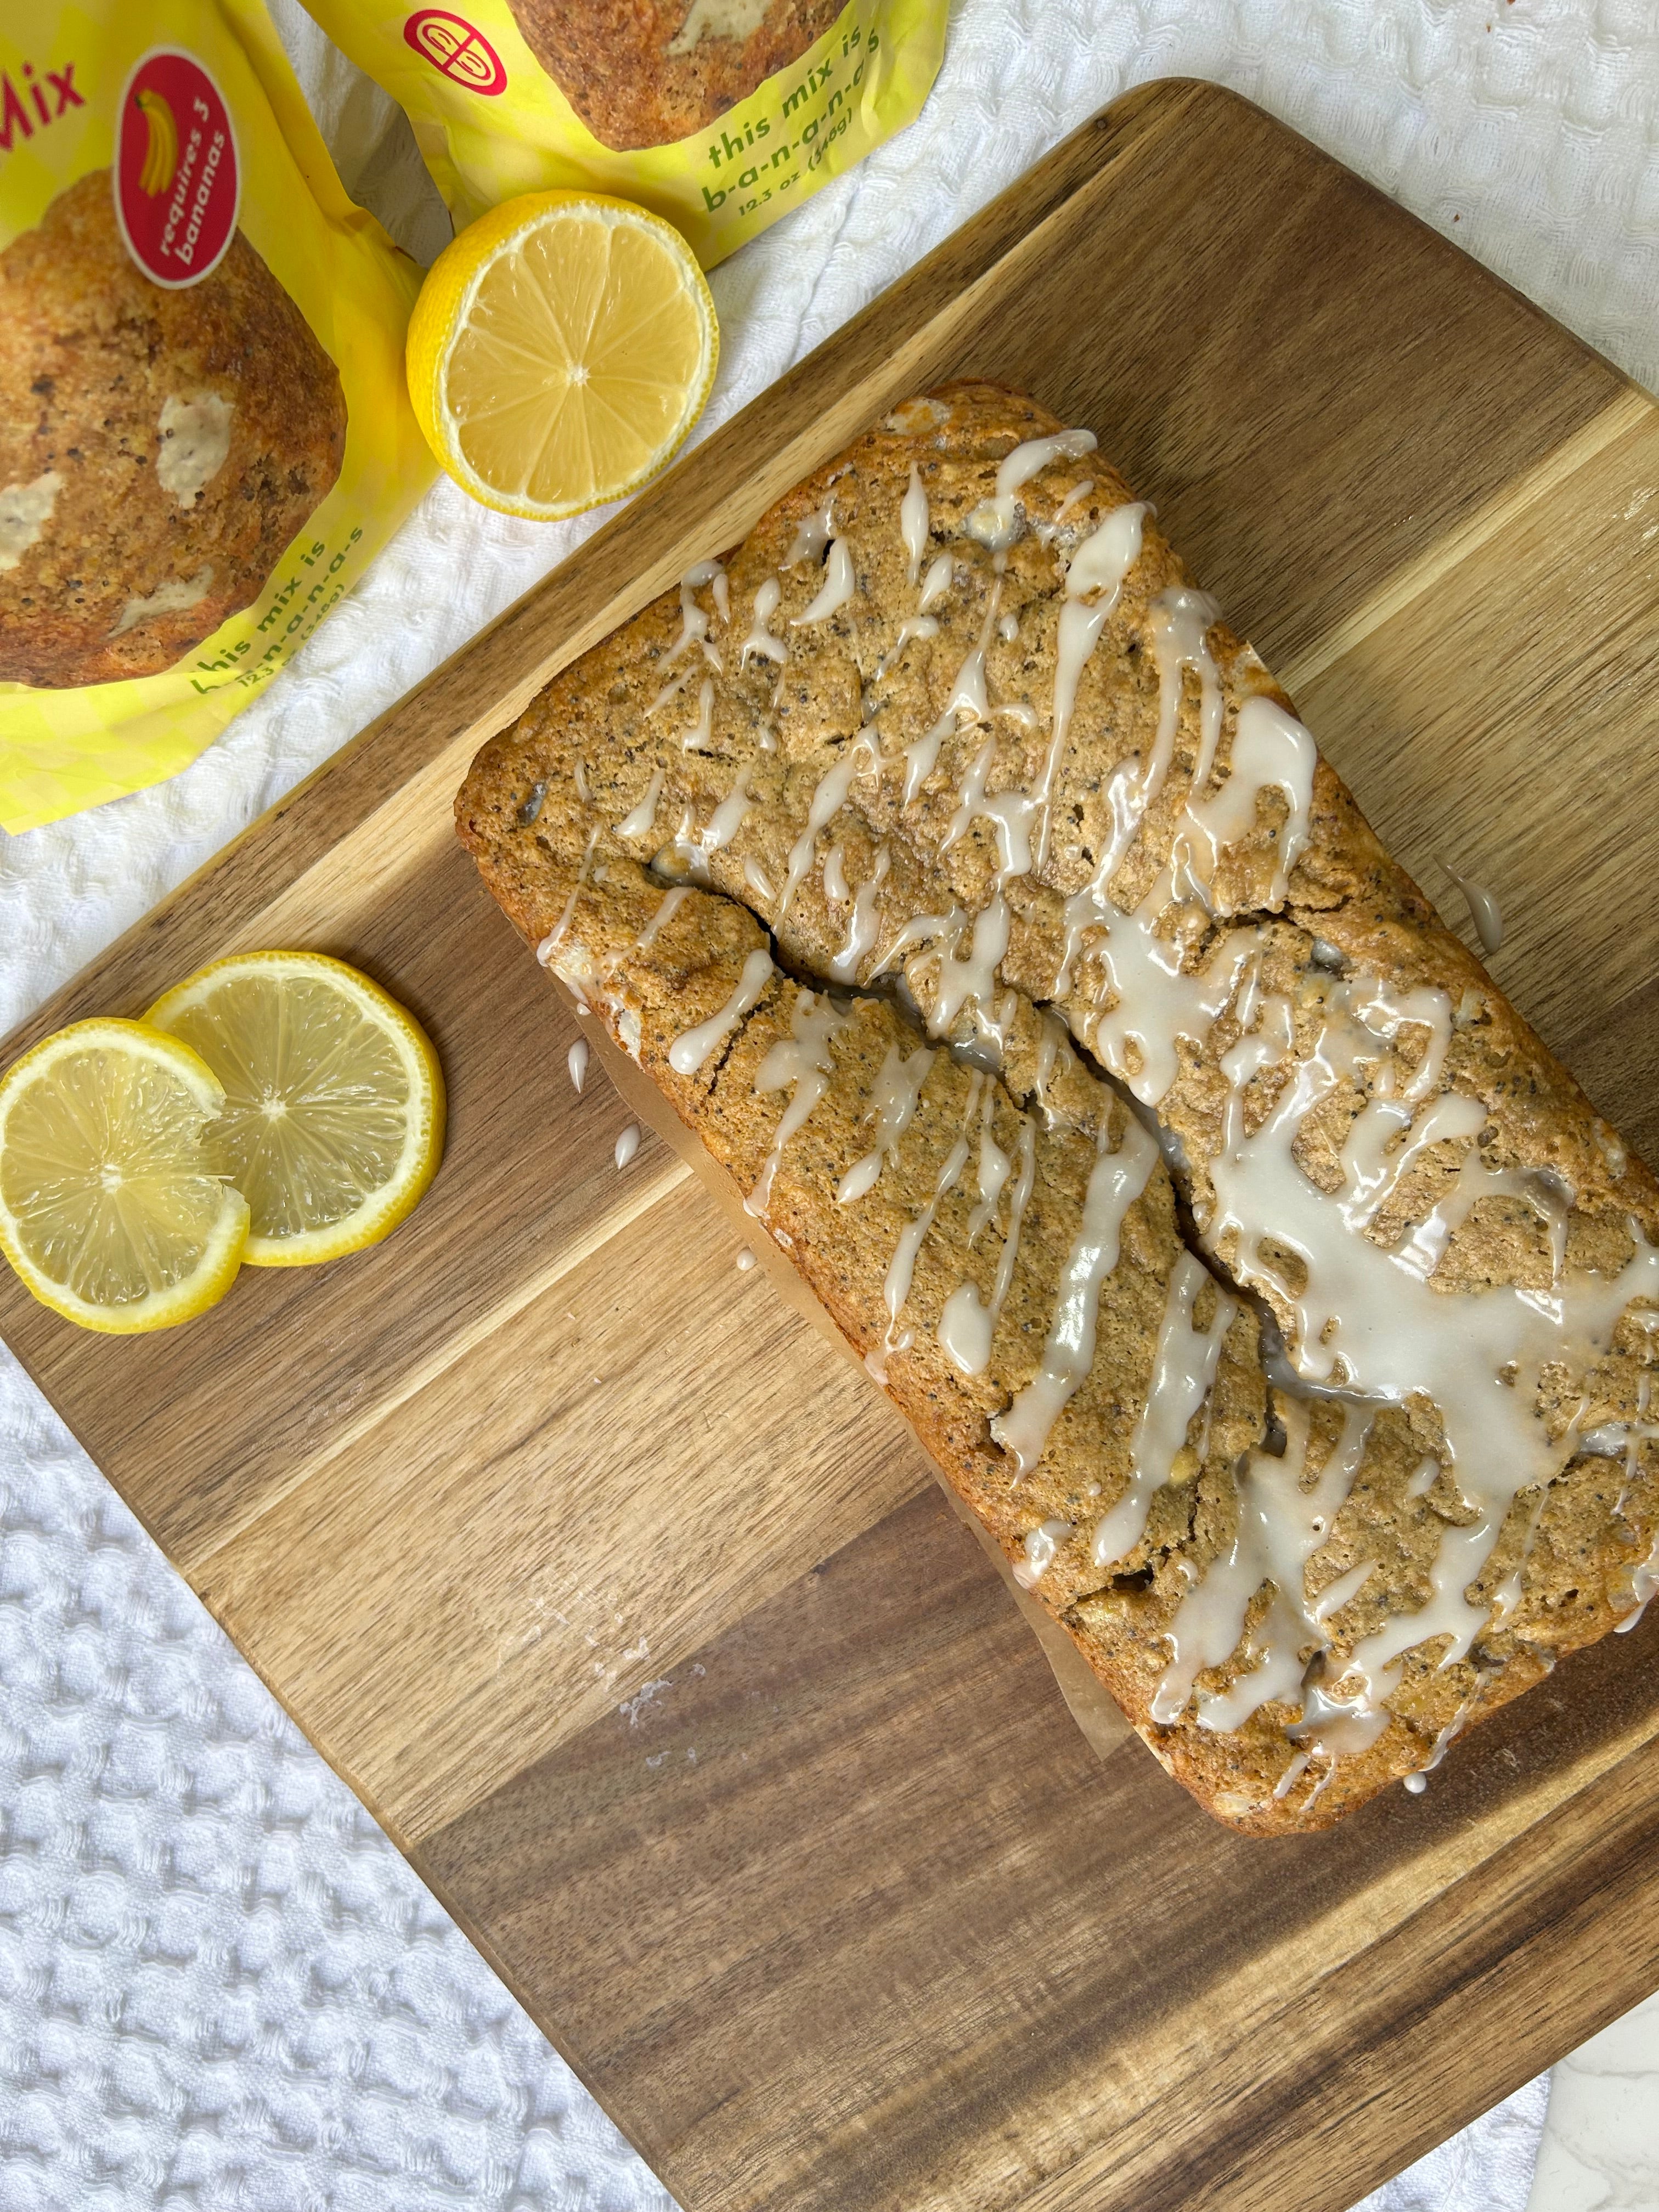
x,y
633,1611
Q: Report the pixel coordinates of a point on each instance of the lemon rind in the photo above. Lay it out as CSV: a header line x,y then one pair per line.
x,y
382,1211
449,309
223,1252
222,1259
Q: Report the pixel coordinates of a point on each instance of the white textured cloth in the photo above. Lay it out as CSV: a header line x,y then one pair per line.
x,y
220,1987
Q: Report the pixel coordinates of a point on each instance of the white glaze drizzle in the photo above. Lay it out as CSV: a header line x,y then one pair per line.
x,y
682,851
864,925
1039,1550
836,886
670,906
1180,622
913,520
1107,555
1484,910
640,820
1292,1774
1627,1437
812,534
1155,1001
550,945
994,1168
1115,1181
801,1064
966,704
968,700
936,583
757,880
921,756
626,1145
694,619
1094,585
969,982
995,522
672,690
902,1268
726,819
692,1049
839,582
1645,1587
966,1326
576,1061
1079,491
892,1106
917,626
1281,1527
1011,812
1183,1370
760,641
828,799
921,929
701,735
1270,748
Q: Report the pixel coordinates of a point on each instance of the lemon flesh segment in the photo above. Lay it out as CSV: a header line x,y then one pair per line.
x,y
112,1208
564,353
333,1120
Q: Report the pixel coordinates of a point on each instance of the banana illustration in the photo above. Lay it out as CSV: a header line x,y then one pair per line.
x,y
161,150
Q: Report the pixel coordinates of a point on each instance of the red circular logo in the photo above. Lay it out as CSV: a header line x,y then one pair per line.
x,y
449,42
177,179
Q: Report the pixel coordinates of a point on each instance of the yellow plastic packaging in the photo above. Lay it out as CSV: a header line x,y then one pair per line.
x,y
719,115
204,429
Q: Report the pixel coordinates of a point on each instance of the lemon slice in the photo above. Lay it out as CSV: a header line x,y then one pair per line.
x,y
110,1207
561,349
333,1117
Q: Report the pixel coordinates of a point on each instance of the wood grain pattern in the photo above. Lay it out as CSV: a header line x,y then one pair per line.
x,y
899,1939
626,1603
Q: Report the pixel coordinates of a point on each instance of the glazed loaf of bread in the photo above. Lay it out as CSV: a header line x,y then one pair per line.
x,y
1246,1263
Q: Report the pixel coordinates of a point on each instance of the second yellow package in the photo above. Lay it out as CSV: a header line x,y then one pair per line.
x,y
719,115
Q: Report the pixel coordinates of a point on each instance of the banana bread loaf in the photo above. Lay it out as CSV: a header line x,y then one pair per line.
x,y
1245,1261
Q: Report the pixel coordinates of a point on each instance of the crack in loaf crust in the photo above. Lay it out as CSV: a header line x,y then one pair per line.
x,y
1298,1588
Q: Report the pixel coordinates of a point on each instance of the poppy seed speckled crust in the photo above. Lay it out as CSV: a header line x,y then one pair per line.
x,y
159,450
841,791
644,73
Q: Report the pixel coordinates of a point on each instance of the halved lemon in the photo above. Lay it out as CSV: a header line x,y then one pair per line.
x,y
560,352
111,1208
333,1118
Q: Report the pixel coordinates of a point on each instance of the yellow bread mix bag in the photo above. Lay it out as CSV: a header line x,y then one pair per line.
x,y
719,115
205,428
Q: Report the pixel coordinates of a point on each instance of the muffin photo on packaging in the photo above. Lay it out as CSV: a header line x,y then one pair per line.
x,y
203,426
718,115
645,75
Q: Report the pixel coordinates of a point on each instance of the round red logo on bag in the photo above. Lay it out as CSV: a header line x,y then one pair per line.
x,y
177,179
462,54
